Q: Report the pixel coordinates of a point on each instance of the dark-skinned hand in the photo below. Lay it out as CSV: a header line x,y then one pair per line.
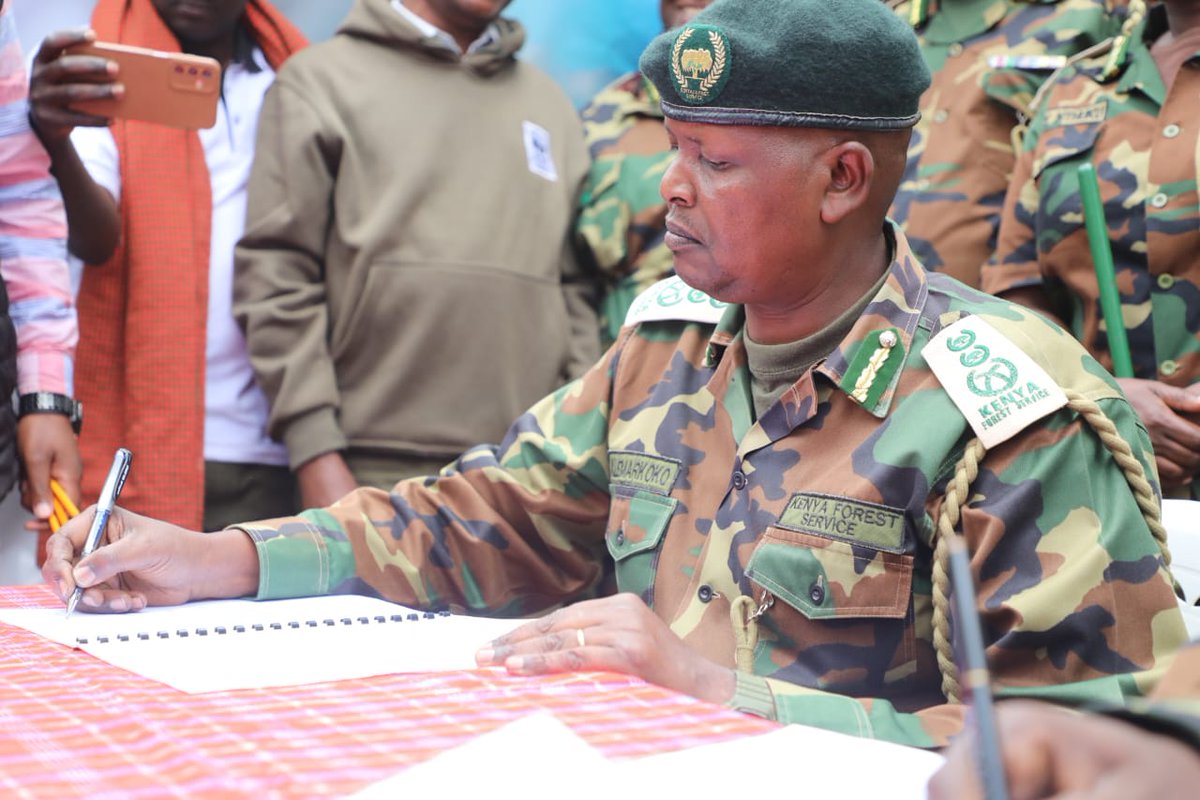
x,y
144,562
620,634
1164,411
58,80
1051,752
48,449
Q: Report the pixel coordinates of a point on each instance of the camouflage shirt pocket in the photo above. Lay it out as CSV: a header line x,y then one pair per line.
x,y
825,579
1068,146
636,525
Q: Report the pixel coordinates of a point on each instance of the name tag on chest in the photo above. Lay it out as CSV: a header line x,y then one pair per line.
x,y
871,525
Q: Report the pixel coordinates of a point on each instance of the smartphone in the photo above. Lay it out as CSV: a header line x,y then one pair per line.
x,y
173,89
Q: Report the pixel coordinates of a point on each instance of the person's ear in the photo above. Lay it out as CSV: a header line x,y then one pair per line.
x,y
851,173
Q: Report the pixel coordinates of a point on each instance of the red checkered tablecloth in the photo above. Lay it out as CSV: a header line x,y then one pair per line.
x,y
74,726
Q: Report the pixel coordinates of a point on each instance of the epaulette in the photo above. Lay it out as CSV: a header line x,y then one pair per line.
x,y
672,299
995,384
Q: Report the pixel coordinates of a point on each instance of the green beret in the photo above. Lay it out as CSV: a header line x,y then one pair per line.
x,y
803,63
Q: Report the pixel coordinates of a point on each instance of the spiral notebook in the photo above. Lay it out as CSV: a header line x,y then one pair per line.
x,y
220,645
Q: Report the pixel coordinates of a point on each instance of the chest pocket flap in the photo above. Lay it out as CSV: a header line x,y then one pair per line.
x,y
1065,143
636,526
826,578
639,519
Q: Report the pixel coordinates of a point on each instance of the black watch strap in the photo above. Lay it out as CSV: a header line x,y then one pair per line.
x,y
52,403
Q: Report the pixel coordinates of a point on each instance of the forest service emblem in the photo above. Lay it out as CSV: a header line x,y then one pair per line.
x,y
700,63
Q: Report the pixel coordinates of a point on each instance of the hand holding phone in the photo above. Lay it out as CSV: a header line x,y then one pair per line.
x,y
78,81
174,89
58,80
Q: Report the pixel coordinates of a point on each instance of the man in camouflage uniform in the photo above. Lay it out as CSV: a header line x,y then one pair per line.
x,y
622,216
766,481
987,59
1150,749
1114,110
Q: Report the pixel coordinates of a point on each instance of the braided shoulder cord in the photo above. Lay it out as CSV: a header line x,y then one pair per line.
x,y
958,493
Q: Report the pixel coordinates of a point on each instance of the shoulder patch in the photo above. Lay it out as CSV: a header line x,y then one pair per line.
x,y
672,299
998,388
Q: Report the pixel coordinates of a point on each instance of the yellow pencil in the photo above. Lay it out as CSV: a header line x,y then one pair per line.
x,y
62,497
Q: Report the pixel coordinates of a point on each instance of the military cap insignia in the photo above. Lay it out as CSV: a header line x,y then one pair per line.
x,y
700,63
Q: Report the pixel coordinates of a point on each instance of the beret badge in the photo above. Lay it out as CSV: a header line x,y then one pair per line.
x,y
700,63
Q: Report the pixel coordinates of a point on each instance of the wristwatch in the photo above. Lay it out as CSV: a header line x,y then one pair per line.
x,y
52,403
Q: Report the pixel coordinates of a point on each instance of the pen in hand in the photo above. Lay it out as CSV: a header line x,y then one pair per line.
x,y
108,498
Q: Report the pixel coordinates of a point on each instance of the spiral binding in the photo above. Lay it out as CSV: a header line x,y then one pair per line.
x,y
227,630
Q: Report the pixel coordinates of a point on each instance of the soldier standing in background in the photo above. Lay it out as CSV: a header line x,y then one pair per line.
x,y
1130,109
773,457
623,217
988,58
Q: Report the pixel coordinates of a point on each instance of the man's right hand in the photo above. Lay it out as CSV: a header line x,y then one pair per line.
x,y
1164,411
1052,752
324,480
141,562
57,80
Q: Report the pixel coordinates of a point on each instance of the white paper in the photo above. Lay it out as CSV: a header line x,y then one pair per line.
x,y
534,758
538,757
794,760
292,653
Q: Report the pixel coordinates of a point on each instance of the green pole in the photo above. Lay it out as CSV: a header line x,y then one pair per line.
x,y
1106,277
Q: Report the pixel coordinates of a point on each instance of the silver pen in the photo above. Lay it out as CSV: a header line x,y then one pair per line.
x,y
108,498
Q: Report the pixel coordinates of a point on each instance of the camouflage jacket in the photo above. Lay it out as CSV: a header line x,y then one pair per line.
x,y
1174,707
1143,143
652,466
988,58
623,217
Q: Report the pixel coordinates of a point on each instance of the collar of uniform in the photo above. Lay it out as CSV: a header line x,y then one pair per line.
x,y
897,306
728,329
631,95
651,98
1137,68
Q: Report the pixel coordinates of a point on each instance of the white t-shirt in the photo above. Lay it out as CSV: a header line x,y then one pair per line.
x,y
235,408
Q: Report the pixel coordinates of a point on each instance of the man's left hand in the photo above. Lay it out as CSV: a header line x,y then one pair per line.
x,y
48,449
614,634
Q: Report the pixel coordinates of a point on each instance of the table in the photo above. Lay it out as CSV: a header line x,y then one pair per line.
x,y
73,726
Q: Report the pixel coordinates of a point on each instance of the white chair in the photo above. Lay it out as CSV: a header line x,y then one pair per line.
x,y
1182,521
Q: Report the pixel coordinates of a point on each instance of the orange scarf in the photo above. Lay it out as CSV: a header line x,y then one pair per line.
x,y
141,364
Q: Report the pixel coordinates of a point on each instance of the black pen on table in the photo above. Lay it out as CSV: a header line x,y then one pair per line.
x,y
975,676
108,498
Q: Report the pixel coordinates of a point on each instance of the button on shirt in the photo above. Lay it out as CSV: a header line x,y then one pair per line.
x,y
235,407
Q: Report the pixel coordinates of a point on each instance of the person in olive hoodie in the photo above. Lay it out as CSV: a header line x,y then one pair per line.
x,y
407,248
